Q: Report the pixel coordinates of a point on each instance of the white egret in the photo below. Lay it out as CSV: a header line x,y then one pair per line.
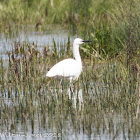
x,y
69,68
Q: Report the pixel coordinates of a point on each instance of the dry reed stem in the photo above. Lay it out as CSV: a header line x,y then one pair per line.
x,y
138,106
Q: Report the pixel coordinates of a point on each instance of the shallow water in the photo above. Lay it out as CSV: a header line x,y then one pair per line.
x,y
32,108
73,122
40,38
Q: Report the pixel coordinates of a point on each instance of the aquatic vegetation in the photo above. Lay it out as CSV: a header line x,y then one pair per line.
x,y
105,103
105,97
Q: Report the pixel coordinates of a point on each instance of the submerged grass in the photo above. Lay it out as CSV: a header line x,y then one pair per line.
x,y
103,101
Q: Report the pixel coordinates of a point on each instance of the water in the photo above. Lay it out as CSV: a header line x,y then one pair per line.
x,y
63,121
40,38
33,107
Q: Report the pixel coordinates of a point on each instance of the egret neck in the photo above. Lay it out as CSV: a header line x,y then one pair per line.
x,y
76,53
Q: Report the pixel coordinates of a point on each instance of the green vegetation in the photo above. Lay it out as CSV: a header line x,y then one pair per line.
x,y
113,25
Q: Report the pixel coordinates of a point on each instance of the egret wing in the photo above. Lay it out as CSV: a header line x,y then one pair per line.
x,y
65,68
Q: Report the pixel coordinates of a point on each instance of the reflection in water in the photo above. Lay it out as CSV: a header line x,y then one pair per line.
x,y
76,96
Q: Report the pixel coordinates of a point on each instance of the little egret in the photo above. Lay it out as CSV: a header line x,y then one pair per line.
x,y
69,68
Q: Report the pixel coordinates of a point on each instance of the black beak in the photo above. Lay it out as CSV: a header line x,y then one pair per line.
x,y
86,41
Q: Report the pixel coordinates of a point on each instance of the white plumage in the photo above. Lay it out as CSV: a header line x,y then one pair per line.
x,y
68,68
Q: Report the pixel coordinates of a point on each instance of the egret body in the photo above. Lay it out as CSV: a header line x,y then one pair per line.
x,y
69,68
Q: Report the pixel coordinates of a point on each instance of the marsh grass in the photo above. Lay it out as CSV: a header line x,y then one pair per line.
x,y
103,101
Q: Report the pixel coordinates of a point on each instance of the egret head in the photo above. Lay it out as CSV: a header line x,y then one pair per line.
x,y
79,41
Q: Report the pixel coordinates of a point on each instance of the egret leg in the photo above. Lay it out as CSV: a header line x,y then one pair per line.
x,y
71,88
